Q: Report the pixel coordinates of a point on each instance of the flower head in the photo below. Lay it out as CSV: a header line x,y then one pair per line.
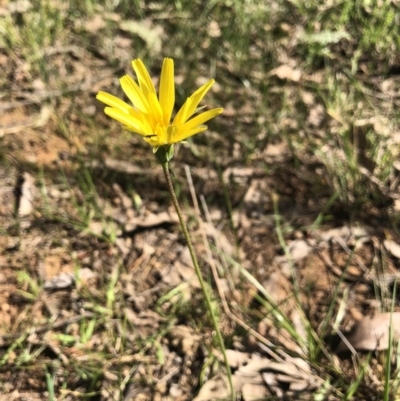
x,y
151,115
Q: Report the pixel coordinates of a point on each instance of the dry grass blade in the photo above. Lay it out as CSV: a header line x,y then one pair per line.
x,y
372,333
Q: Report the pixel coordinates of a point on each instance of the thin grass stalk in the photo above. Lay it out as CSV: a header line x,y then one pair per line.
x,y
204,289
387,386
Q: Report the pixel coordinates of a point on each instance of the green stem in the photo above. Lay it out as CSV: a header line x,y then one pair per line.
x,y
198,273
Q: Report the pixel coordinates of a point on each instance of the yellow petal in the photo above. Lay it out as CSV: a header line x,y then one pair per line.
x,y
187,134
130,122
143,118
171,133
167,89
156,109
145,82
113,101
180,117
134,94
197,97
150,115
200,119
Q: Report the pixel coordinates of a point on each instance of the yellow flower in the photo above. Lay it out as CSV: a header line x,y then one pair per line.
x,y
151,115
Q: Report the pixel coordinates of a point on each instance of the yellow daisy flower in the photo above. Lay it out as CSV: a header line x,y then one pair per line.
x,y
150,115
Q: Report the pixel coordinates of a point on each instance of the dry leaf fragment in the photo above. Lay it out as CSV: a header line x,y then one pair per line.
x,y
16,396
215,388
150,33
277,286
25,204
286,72
276,151
63,280
20,6
214,30
344,233
255,365
392,247
95,24
151,220
186,339
372,333
235,358
85,275
44,116
299,249
316,115
298,385
254,391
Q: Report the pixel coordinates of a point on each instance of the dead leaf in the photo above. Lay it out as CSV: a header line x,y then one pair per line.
x,y
256,364
372,333
96,227
54,264
147,31
275,152
44,116
21,6
254,391
25,206
95,24
299,249
236,358
392,247
237,174
298,385
344,233
63,280
214,30
151,220
253,195
286,72
17,396
186,339
215,388
316,115
85,275
277,286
